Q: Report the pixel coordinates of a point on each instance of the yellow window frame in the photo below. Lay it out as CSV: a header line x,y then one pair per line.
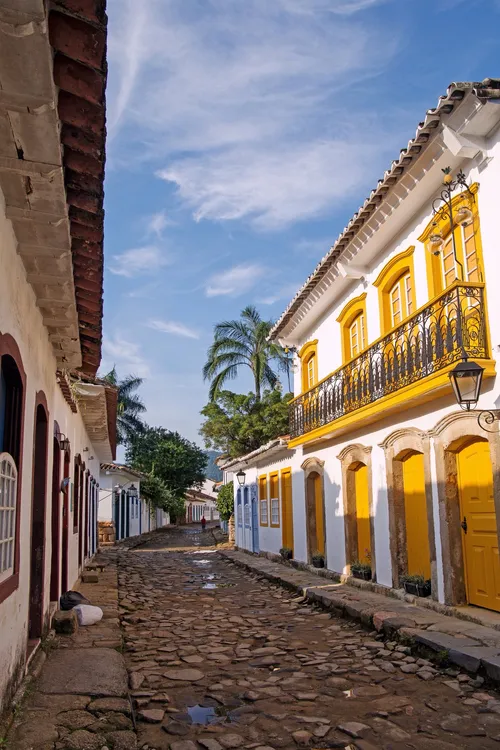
x,y
263,497
350,312
274,479
308,356
394,271
440,224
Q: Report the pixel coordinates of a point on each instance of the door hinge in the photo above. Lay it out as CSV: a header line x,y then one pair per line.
x,y
464,525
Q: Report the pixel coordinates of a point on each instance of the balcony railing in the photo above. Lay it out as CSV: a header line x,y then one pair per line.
x,y
437,335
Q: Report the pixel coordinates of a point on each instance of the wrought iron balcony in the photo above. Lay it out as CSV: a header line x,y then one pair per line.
x,y
437,335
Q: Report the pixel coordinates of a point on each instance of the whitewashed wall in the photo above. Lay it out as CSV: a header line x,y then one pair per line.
x,y
20,317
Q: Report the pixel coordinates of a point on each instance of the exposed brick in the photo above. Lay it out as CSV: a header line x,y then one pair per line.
x,y
78,79
79,140
85,201
80,180
88,218
86,233
77,39
82,163
93,10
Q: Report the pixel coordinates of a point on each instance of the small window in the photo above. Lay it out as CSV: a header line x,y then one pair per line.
x,y
8,495
247,514
275,511
357,335
263,512
401,299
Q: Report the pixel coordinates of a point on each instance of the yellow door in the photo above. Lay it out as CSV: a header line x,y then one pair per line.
x,y
482,569
286,508
320,519
417,530
363,514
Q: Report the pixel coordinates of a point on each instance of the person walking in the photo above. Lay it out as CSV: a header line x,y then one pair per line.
x,y
203,523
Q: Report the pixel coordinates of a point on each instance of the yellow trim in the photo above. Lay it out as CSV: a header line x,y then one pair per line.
x,y
433,386
350,312
440,223
388,276
307,352
286,509
263,481
475,285
274,475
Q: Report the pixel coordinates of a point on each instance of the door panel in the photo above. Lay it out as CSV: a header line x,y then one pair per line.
x,y
320,519
287,509
417,530
475,481
363,513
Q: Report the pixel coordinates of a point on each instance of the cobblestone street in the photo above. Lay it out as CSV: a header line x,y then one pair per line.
x,y
218,659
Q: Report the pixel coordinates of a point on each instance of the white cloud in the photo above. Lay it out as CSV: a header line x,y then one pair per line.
x,y
125,354
284,292
177,329
235,281
139,261
157,223
250,109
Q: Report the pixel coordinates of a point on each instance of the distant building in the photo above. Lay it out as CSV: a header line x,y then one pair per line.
x,y
201,503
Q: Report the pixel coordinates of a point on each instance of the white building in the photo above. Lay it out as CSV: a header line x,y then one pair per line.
x,y
56,421
121,505
200,503
382,465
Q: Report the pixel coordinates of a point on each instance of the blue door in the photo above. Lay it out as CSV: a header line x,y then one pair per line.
x,y
255,518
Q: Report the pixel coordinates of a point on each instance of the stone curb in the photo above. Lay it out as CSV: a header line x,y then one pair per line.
x,y
466,652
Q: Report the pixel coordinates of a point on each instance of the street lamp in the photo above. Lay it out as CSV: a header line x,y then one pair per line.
x,y
240,476
466,379
132,491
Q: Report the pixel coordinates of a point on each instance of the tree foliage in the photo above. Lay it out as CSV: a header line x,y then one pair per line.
x,y
242,343
237,424
225,501
156,492
130,406
177,462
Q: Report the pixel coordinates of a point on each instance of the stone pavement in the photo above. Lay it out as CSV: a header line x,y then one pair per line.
x,y
80,700
467,644
219,658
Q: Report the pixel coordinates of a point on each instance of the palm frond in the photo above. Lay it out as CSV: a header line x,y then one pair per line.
x,y
229,373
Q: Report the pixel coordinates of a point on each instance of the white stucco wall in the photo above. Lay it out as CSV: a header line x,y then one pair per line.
x,y
21,318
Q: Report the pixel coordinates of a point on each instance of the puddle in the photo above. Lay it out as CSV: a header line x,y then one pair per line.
x,y
202,714
210,586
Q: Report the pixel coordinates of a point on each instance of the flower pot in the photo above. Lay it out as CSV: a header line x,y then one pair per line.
x,y
287,555
318,563
364,575
417,589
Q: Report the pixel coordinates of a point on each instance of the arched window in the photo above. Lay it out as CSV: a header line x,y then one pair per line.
x,y
309,365
8,502
352,321
396,287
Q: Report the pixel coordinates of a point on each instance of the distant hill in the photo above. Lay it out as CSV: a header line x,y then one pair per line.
x,y
213,471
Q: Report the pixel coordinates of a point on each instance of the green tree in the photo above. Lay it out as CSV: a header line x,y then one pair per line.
x,y
237,424
179,463
130,406
242,343
156,492
225,501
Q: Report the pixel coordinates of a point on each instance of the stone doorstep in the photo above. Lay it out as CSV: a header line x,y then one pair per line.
x,y
375,611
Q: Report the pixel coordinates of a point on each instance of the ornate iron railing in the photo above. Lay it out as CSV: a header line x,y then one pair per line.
x,y
436,336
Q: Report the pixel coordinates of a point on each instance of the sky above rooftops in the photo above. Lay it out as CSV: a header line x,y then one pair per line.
x,y
242,136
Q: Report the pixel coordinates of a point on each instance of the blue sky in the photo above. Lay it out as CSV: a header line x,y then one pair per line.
x,y
242,136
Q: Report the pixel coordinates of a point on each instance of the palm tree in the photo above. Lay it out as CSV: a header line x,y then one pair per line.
x,y
130,405
242,343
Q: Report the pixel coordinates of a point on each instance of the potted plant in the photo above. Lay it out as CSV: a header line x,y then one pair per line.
x,y
318,560
286,553
416,585
361,570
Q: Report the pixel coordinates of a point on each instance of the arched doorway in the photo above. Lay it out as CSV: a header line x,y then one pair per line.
x,y
479,525
415,513
65,524
362,508
38,524
55,526
315,514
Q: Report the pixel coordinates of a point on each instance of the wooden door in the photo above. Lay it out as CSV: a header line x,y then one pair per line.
x,y
56,494
417,529
363,513
480,540
65,529
320,515
36,590
287,508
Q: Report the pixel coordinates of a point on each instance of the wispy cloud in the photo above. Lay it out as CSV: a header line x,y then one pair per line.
x,y
284,292
315,247
266,125
139,261
177,329
157,223
235,281
126,355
